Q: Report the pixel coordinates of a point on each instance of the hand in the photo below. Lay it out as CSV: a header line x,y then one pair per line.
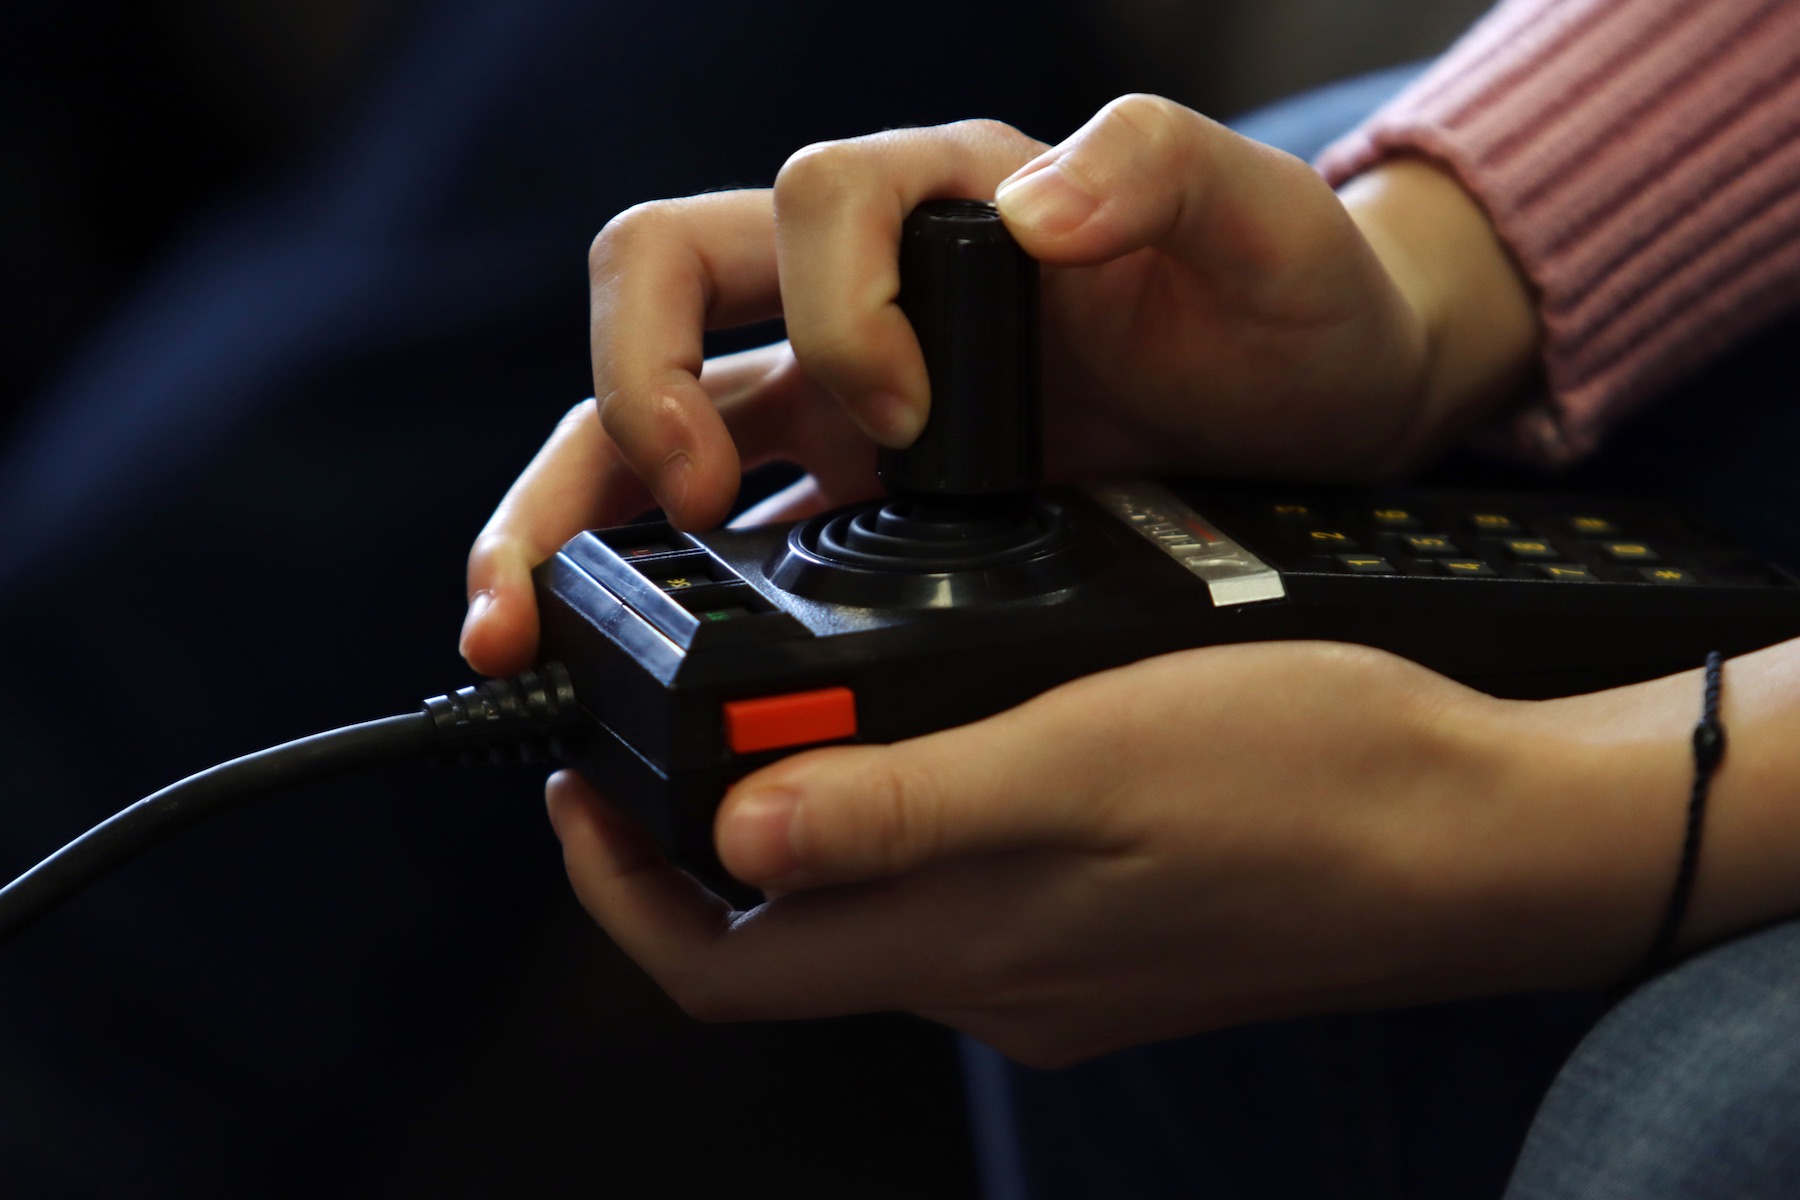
x,y
1210,837
1209,306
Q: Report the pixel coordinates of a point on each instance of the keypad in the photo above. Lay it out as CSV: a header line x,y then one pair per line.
x,y
1521,541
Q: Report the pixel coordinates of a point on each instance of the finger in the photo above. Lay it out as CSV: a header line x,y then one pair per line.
x,y
660,275
796,957
776,412
580,480
663,918
1145,171
715,964
1031,776
860,948
574,482
839,207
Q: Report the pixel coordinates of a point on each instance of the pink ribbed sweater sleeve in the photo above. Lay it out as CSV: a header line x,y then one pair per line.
x,y
1641,159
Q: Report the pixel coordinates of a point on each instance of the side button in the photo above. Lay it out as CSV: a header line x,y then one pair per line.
x,y
794,719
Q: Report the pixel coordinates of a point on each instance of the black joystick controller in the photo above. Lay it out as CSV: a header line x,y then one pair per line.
x,y
698,658
964,522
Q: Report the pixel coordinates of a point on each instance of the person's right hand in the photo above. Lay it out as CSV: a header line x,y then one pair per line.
x,y
1210,305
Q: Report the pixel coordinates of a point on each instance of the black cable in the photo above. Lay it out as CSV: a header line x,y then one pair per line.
x,y
499,720
160,816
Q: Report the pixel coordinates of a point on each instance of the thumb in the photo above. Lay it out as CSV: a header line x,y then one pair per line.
x,y
1145,171
856,813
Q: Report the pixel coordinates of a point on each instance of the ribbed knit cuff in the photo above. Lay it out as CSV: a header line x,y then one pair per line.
x,y
1641,159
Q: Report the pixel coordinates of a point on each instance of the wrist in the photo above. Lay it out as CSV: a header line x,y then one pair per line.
x,y
1586,820
1609,795
1558,865
1749,863
1475,306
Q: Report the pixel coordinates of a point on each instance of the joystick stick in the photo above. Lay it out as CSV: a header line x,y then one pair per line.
x,y
971,296
964,522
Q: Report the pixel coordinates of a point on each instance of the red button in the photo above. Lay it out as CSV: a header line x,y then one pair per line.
x,y
796,719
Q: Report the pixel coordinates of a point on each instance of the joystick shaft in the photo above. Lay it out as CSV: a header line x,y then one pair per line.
x,y
972,296
964,523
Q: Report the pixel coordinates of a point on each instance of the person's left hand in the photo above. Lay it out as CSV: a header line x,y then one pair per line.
x,y
1196,840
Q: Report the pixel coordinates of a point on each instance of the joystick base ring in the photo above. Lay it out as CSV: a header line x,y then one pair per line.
x,y
903,554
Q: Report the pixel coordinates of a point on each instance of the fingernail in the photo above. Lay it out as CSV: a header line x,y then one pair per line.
x,y
759,835
479,604
1047,200
672,480
890,420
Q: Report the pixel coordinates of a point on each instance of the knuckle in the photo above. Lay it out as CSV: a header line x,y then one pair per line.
x,y
1157,121
487,552
818,174
833,343
579,419
881,827
985,129
610,407
626,232
645,418
900,824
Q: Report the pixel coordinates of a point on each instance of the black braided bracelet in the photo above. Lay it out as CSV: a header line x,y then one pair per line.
x,y
1709,748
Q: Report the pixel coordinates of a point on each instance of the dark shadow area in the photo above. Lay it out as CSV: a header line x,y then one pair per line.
x,y
265,423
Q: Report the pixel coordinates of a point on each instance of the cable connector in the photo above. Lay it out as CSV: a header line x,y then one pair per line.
x,y
500,721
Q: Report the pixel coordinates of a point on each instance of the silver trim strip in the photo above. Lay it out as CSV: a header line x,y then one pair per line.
x,y
1233,575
